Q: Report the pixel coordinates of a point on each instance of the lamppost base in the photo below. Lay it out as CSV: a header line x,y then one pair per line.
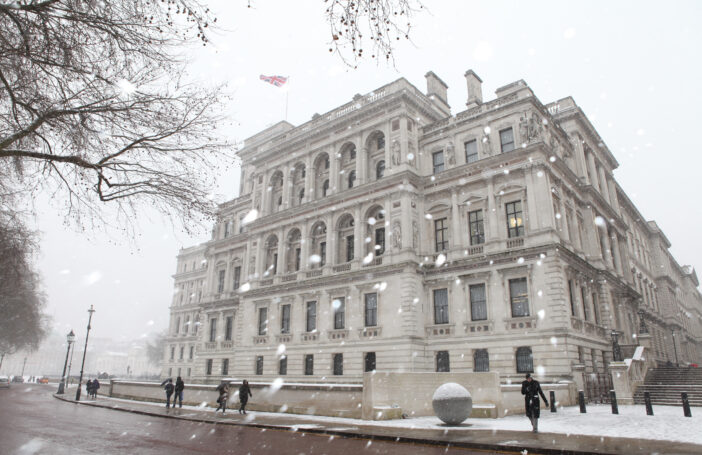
x,y
78,393
61,388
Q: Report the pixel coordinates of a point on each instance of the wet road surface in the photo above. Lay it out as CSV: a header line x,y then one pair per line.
x,y
34,422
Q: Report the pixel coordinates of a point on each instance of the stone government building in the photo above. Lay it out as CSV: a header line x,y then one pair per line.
x,y
389,234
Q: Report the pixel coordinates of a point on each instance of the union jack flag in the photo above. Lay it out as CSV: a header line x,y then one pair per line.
x,y
278,81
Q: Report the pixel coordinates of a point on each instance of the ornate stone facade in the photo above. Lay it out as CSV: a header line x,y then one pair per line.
x,y
388,234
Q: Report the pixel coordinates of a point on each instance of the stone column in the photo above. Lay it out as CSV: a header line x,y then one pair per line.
x,y
531,204
564,220
580,157
361,165
266,196
492,231
457,234
358,234
604,190
260,260
333,170
305,242
604,234
593,170
281,252
406,222
613,201
287,184
331,239
309,180
616,253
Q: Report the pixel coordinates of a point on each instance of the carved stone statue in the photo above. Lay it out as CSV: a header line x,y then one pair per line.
x,y
524,128
395,153
487,146
252,265
534,128
450,156
411,156
397,235
415,234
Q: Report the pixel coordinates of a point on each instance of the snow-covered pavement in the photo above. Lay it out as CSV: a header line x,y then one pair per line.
x,y
668,423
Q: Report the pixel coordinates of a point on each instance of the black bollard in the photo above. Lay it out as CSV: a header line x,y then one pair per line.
x,y
581,402
552,397
613,399
647,399
686,405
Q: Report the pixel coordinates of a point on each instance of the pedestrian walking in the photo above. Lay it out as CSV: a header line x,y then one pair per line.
x,y
169,391
89,387
223,389
244,394
179,387
531,389
96,386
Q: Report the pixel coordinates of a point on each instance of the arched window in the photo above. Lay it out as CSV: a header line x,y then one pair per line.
x,y
325,187
380,169
525,360
352,178
326,163
352,154
481,361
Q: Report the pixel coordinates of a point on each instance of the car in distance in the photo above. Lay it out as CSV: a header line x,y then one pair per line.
x,y
43,380
17,379
4,382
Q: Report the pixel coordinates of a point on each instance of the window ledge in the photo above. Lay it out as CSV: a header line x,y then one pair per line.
x,y
338,334
309,336
478,327
440,330
260,339
370,332
525,322
283,338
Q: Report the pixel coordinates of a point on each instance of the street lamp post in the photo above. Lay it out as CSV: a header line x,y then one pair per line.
x,y
70,338
23,365
85,349
70,365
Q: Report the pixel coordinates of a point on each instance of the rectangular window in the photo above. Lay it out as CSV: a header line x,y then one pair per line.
x,y
322,253
225,367
275,263
381,142
172,352
518,297
311,317
476,227
441,306
441,234
226,229
213,329
297,259
283,366
371,310
471,151
189,369
259,365
237,277
583,297
478,303
339,306
228,325
309,364
338,364
285,319
182,352
369,361
515,219
507,140
595,309
437,159
349,248
481,361
191,352
442,362
262,321
208,367
571,296
220,281
379,241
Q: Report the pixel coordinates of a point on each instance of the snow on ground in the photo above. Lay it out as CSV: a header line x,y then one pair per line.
x,y
668,423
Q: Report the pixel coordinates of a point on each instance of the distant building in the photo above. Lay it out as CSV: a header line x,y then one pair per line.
x,y
389,234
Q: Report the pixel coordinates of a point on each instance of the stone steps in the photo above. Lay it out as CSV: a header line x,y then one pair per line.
x,y
667,383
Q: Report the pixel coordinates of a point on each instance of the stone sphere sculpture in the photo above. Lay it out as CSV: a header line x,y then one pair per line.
x,y
452,403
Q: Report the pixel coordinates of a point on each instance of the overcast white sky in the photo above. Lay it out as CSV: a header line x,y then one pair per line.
x,y
634,67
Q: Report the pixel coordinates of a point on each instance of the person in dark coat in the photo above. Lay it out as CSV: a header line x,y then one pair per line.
x,y
179,387
169,391
531,389
223,389
96,386
244,394
89,388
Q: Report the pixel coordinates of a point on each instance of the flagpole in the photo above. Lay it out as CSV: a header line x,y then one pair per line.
x,y
287,93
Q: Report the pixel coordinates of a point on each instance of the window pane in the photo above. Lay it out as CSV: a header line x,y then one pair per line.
x,y
228,328
309,364
371,310
338,364
481,361
225,366
471,151
213,329
311,316
478,305
515,220
525,360
323,253
237,277
259,365
283,366
262,321
369,361
476,226
285,319
380,170
507,140
349,248
379,241
441,234
442,362
220,281
438,161
518,297
441,306
339,306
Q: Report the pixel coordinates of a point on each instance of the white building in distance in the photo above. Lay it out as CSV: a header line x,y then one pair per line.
x,y
389,234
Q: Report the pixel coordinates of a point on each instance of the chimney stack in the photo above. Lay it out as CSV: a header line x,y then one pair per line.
x,y
475,89
437,91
